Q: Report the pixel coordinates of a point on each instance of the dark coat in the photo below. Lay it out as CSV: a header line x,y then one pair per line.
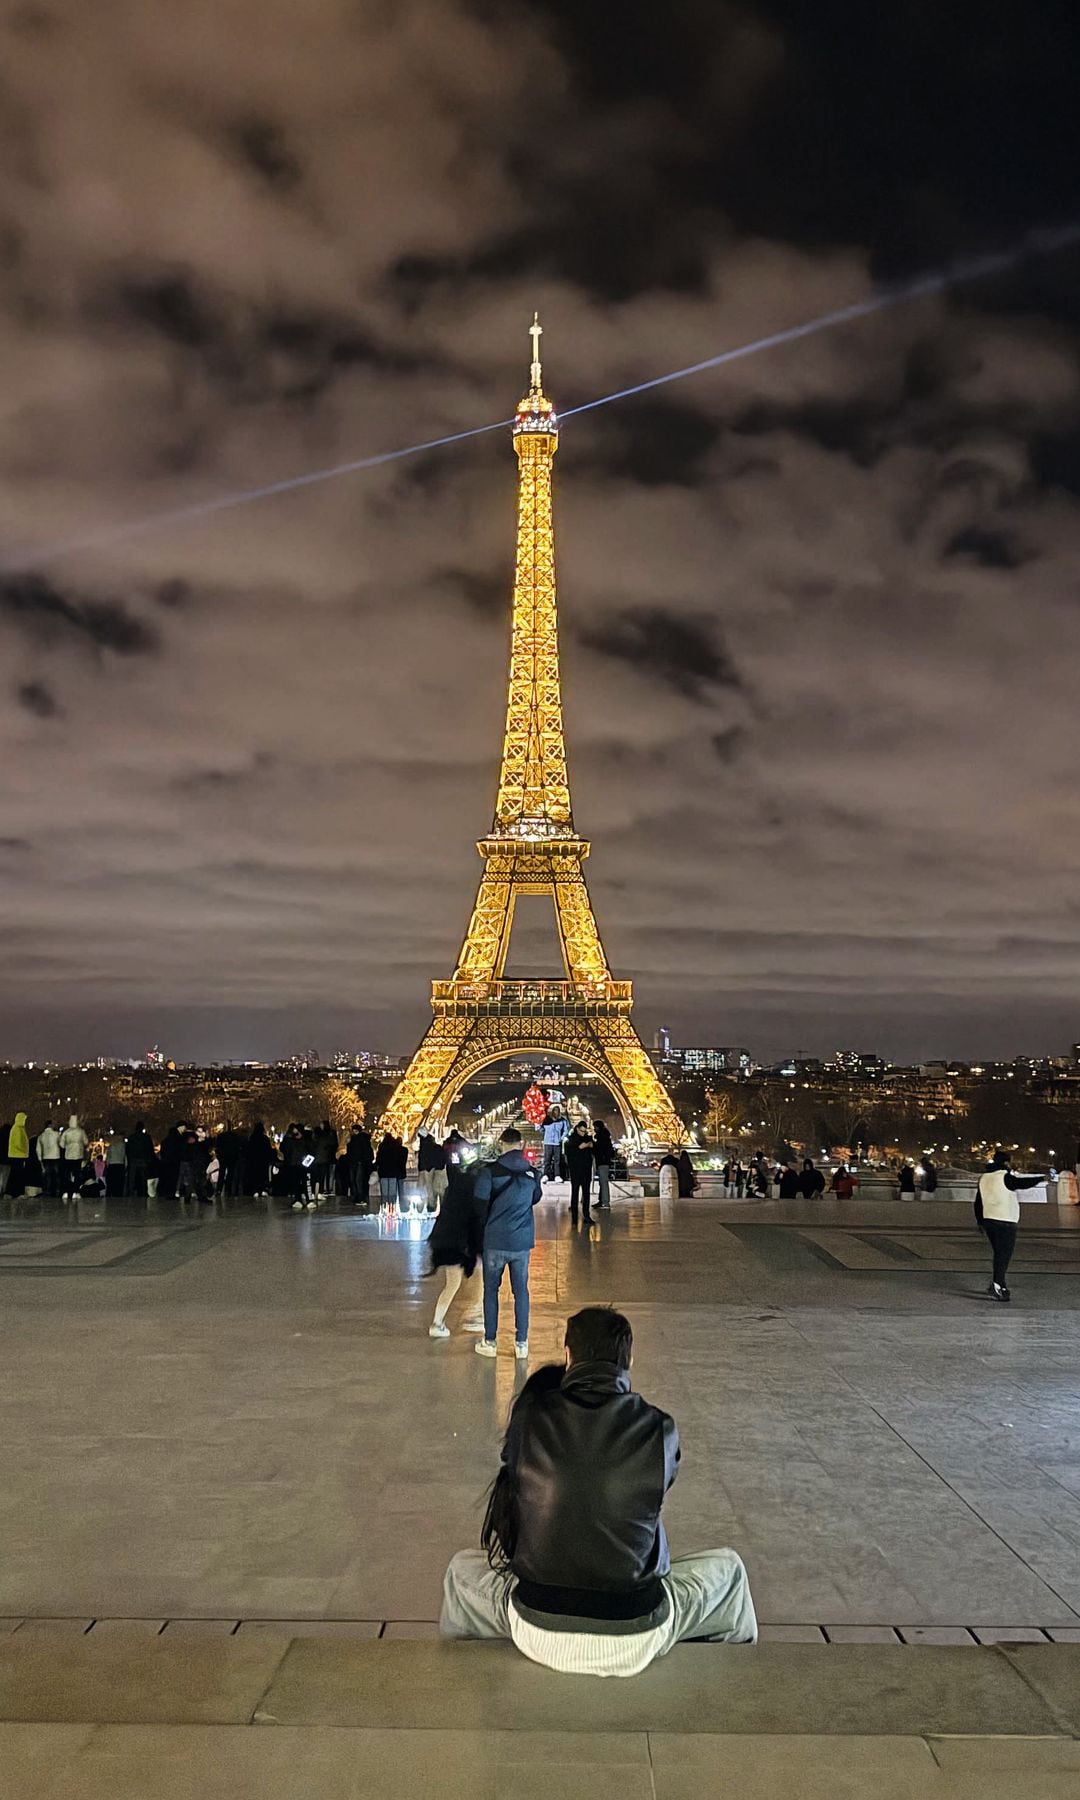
x,y
140,1149
588,1465
358,1151
457,1236
431,1154
324,1144
391,1159
790,1184
604,1154
579,1154
507,1191
259,1158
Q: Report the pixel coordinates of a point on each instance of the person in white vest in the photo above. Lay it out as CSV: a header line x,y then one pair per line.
x,y
997,1210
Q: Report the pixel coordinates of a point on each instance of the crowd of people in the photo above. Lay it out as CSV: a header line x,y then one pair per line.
x,y
762,1178
305,1164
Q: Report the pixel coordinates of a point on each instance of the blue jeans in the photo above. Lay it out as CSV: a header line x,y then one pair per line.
x,y
517,1261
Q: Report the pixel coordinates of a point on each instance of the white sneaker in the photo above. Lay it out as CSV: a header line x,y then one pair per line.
x,y
311,1205
521,1351
298,1206
439,1331
474,1325
486,1348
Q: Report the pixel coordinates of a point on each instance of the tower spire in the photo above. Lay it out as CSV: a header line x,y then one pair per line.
x,y
534,796
536,332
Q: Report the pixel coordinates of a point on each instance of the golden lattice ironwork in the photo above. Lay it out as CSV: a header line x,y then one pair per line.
x,y
532,848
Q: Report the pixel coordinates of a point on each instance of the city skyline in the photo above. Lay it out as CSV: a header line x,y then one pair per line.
x,y
818,633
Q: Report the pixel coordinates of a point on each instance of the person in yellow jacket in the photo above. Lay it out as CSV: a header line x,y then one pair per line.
x,y
14,1153
997,1210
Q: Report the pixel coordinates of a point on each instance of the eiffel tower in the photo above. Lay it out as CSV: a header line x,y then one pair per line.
x,y
533,848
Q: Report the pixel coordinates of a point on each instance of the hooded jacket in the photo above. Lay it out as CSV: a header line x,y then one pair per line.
x,y
589,1464
506,1192
48,1144
430,1154
73,1140
18,1143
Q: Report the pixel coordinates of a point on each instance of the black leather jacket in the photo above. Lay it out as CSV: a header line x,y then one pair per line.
x,y
590,1463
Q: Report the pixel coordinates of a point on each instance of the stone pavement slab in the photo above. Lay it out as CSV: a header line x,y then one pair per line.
x,y
31,1756
865,1689
135,1679
1053,1672
755,1767
198,1762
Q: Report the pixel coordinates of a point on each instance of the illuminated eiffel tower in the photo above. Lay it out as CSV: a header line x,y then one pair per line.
x,y
532,848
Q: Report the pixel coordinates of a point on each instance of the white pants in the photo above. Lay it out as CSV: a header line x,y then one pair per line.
x,y
709,1594
472,1287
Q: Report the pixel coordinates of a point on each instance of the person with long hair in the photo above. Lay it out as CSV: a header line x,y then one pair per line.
x,y
574,1565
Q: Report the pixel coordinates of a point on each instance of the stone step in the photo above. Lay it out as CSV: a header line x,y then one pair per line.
x,y
268,1679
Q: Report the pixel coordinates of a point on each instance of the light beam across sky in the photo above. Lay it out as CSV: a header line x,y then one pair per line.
x,y
939,281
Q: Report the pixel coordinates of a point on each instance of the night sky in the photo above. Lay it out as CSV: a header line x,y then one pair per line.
x,y
820,610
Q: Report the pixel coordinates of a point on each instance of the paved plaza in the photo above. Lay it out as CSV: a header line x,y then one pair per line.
x,y
231,1434
243,1417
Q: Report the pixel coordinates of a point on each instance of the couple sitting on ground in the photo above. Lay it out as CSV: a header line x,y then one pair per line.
x,y
575,1566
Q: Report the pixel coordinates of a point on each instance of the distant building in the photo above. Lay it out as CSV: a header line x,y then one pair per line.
x,y
662,1041
716,1060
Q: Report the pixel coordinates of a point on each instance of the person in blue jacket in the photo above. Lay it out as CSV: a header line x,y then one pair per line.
x,y
555,1130
506,1192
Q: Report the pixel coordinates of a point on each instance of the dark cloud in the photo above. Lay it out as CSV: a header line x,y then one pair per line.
x,y
174,594
728,745
657,442
35,697
991,549
680,650
33,602
263,147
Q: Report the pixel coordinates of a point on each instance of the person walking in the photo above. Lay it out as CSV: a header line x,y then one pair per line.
x,y
140,1161
929,1178
574,1566
507,1190
48,1150
73,1145
359,1159
603,1158
455,1244
115,1166
997,1212
14,1156
579,1160
906,1182
556,1128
